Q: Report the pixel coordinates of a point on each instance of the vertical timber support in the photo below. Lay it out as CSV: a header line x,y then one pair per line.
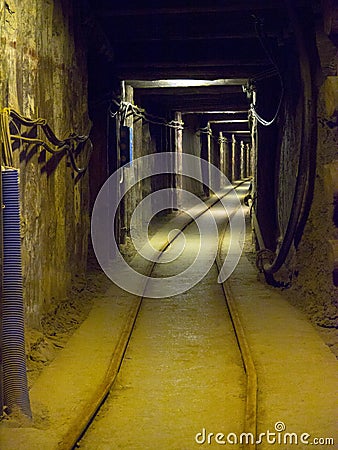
x,y
248,160
234,158
178,168
205,156
228,158
242,161
215,159
221,152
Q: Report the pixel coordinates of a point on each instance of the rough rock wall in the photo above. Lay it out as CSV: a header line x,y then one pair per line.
x,y
43,74
313,285
309,264
289,125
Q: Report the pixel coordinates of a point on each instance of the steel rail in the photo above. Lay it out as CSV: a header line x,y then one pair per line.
x,y
250,421
80,425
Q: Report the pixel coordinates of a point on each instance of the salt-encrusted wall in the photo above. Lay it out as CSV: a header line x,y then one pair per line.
x,y
43,73
310,265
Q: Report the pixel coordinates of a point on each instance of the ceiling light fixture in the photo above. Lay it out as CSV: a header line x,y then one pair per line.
x,y
179,83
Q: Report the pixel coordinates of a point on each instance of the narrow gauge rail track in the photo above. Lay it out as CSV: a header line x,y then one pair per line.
x,y
79,428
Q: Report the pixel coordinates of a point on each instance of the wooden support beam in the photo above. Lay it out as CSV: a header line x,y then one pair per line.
x,y
204,8
187,92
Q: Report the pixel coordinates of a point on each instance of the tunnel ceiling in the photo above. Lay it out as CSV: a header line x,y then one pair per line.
x,y
191,39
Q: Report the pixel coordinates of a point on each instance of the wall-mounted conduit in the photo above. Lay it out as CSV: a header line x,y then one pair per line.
x,y
1,297
13,376
15,389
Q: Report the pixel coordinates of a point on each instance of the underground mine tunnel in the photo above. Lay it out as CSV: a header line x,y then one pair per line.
x,y
123,121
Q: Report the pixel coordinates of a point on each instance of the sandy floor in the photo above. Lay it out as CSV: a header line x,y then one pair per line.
x,y
183,371
67,359
180,375
43,345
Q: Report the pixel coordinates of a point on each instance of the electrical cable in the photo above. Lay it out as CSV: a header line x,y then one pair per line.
x,y
38,142
207,130
265,74
70,145
5,132
141,113
270,72
303,193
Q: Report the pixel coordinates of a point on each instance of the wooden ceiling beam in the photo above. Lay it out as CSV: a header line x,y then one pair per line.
x,y
229,127
184,37
125,72
171,65
177,104
230,6
192,91
206,27
229,49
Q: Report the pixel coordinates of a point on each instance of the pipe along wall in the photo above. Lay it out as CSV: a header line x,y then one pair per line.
x,y
15,387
